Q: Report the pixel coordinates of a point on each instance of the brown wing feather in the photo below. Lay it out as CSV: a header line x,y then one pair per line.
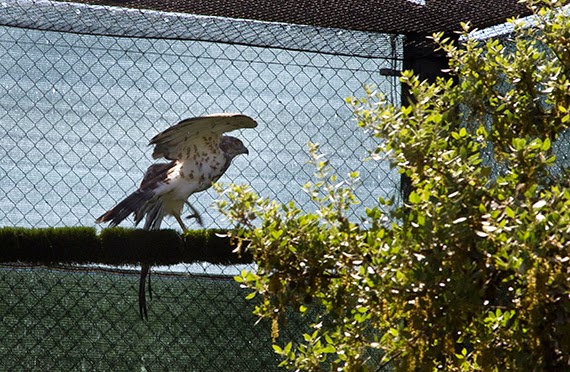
x,y
154,174
169,143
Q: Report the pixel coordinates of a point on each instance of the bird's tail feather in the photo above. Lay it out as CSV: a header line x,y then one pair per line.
x,y
134,203
154,214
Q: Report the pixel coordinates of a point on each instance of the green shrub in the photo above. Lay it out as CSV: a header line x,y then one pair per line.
x,y
472,272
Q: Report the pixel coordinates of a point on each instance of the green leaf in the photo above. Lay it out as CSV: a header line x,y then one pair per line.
x,y
509,212
354,174
276,234
414,198
288,348
406,110
546,145
518,144
435,118
329,349
394,332
421,220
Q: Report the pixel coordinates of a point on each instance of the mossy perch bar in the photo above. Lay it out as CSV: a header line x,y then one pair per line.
x,y
116,246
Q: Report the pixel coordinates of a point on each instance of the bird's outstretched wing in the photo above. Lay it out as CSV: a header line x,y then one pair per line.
x,y
191,134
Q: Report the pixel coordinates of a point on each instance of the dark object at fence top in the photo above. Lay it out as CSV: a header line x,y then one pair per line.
x,y
388,16
116,246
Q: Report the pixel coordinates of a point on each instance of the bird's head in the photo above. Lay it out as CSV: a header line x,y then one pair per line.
x,y
232,146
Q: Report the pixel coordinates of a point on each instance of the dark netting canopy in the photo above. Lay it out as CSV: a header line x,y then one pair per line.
x,y
386,16
168,23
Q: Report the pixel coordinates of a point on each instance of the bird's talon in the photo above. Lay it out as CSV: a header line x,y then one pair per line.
x,y
197,217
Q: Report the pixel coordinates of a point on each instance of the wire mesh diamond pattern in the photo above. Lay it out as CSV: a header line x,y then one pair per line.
x,y
83,89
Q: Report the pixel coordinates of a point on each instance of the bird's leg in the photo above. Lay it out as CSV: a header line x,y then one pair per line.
x,y
145,271
184,228
195,214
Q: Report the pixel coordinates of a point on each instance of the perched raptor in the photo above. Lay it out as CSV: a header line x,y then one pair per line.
x,y
199,154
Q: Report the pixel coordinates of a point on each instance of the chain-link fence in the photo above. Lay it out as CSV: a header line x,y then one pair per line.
x,y
83,89
78,109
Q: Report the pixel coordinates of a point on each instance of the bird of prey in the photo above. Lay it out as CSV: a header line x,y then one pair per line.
x,y
199,154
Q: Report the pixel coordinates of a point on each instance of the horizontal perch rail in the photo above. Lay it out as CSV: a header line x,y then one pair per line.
x,y
116,246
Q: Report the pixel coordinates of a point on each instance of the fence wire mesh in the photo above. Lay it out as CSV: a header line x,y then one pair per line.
x,y
78,109
83,89
60,318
